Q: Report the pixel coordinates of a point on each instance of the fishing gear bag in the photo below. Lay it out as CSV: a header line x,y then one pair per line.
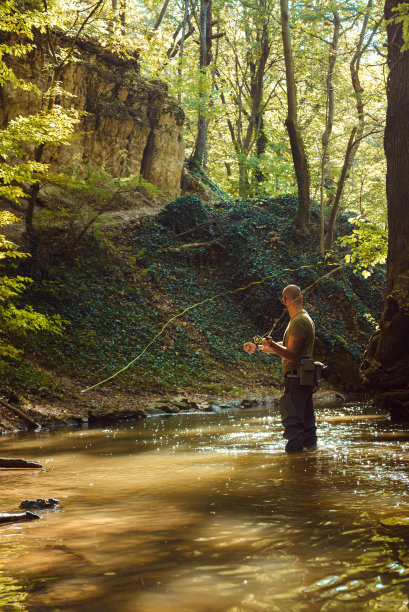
x,y
311,372
307,371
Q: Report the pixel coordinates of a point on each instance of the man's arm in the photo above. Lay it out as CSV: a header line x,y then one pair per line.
x,y
290,352
250,347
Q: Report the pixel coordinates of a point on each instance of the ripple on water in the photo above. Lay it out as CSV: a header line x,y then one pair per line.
x,y
206,513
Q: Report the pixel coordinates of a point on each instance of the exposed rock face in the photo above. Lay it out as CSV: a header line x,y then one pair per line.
x,y
132,125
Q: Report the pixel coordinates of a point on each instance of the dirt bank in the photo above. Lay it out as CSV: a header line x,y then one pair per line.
x,y
103,405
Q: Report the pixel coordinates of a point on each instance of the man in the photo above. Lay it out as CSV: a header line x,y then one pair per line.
x,y
296,407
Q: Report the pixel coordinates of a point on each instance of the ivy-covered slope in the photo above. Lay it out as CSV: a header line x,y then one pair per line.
x,y
121,292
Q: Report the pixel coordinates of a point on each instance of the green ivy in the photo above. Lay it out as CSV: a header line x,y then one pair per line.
x,y
120,294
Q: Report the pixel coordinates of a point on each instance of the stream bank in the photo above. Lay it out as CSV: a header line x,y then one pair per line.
x,y
102,407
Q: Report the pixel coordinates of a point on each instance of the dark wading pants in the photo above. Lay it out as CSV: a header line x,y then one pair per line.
x,y
297,415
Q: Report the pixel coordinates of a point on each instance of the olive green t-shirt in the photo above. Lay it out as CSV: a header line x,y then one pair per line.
x,y
300,326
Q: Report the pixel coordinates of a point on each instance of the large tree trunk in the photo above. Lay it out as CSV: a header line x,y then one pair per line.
x,y
386,364
296,141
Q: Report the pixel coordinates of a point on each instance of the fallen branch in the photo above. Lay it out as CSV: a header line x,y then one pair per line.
x,y
20,413
192,245
18,517
6,462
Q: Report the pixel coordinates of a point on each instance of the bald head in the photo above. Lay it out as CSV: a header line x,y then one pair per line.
x,y
293,294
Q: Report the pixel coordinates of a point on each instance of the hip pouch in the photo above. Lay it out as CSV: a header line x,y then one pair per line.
x,y
307,371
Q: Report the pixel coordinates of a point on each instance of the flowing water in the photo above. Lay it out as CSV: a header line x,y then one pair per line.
x,y
206,513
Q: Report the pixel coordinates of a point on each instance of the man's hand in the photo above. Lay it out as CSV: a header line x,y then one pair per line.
x,y
250,347
266,342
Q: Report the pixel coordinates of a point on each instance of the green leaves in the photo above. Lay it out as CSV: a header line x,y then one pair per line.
x,y
368,246
16,320
402,17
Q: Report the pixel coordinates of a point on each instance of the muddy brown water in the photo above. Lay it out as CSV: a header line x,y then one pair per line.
x,y
206,513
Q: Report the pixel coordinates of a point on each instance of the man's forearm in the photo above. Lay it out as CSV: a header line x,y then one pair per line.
x,y
280,350
265,349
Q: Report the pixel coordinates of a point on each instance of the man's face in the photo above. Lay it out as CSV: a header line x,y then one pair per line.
x,y
285,300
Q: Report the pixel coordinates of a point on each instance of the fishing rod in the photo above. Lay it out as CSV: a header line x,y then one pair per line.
x,y
257,339
210,299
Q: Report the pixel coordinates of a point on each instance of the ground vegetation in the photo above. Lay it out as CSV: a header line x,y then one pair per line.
x,y
199,281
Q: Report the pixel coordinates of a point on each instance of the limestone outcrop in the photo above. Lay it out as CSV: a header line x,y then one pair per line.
x,y
131,125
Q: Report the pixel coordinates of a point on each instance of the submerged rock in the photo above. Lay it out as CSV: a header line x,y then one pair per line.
x,y
39,504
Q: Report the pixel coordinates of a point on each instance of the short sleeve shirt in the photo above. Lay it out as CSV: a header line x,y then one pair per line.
x,y
300,326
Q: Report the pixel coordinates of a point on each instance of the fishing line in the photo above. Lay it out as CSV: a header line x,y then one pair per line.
x,y
277,321
210,299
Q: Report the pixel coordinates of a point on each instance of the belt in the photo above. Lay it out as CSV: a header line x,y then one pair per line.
x,y
292,374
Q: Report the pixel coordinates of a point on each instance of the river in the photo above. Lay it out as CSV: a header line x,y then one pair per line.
x,y
206,513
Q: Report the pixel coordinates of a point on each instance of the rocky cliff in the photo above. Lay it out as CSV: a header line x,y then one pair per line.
x,y
131,125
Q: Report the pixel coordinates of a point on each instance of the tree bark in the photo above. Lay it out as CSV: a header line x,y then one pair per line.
x,y
296,141
330,107
385,368
198,154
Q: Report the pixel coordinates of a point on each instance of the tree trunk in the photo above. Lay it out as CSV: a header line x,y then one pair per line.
x,y
296,141
348,159
198,154
385,368
261,146
326,180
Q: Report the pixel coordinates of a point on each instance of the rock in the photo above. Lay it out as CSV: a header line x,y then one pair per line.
x,y
39,504
158,406
6,517
18,463
99,416
207,408
184,404
169,408
131,125
249,403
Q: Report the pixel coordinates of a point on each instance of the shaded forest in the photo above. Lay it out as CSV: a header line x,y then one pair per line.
x,y
281,104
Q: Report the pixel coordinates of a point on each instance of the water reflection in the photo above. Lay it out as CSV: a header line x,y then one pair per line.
x,y
204,513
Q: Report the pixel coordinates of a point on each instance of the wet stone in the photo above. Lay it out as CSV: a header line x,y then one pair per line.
x,y
39,504
184,404
249,403
102,416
